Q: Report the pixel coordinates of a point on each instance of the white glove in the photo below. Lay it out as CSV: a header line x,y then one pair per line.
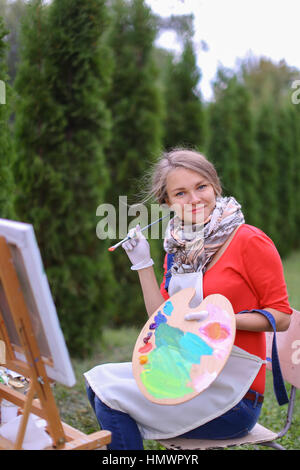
x,y
199,316
138,249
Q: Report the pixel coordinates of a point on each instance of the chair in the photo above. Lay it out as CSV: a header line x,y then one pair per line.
x,y
288,344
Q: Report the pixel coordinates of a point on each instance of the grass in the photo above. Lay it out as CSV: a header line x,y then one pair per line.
x,y
117,346
292,276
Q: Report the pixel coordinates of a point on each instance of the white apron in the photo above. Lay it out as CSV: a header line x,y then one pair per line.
x,y
115,385
182,281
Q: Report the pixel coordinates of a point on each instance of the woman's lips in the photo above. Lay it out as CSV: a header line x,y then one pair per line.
x,y
197,209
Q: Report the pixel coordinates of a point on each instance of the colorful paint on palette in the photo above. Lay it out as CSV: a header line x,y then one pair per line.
x,y
168,308
176,358
143,360
167,372
146,348
215,331
160,318
167,367
147,337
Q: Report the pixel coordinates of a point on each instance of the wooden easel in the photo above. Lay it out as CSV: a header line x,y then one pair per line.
x,y
64,437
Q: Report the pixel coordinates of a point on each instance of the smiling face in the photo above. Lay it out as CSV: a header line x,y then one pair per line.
x,y
190,195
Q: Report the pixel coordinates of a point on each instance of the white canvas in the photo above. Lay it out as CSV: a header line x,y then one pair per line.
x,y
35,287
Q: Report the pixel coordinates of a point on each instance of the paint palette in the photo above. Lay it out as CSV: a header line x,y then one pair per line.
x,y
176,359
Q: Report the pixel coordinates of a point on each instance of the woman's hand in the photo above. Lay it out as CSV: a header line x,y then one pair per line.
x,y
138,249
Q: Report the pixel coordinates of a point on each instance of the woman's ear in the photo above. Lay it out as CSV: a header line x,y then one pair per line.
x,y
166,201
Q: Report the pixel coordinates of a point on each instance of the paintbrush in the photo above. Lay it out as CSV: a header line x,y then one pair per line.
x,y
112,248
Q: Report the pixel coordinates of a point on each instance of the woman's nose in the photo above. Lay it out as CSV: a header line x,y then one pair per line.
x,y
193,198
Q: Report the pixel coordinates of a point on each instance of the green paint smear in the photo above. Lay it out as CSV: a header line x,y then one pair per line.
x,y
167,371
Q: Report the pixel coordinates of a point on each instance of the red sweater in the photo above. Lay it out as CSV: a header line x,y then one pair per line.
x,y
250,274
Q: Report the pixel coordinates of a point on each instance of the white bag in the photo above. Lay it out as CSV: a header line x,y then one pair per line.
x,y
115,385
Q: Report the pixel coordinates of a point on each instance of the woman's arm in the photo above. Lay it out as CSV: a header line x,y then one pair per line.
x,y
253,321
263,272
151,291
138,251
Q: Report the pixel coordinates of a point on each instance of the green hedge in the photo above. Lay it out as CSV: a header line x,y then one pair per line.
x,y
96,103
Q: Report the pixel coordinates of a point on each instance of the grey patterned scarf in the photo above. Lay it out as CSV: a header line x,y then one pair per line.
x,y
195,245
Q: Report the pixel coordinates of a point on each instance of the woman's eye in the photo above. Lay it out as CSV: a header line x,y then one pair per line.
x,y
201,186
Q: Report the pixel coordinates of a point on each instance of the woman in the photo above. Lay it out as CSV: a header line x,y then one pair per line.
x,y
208,239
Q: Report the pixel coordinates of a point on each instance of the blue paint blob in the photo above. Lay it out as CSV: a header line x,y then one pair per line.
x,y
167,335
168,308
160,318
193,347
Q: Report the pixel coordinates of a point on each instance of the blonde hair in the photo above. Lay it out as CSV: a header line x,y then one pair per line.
x,y
180,158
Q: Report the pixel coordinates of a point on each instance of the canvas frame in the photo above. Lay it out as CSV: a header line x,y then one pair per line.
x,y
28,264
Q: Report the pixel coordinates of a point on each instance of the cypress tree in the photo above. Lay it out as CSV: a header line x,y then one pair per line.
x,y
134,99
285,188
295,133
268,170
6,144
62,128
223,148
185,116
136,106
244,137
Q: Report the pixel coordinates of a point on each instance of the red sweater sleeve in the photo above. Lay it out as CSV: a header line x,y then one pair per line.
x,y
264,270
163,291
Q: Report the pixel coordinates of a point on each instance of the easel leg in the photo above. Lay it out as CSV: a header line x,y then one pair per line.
x,y
23,424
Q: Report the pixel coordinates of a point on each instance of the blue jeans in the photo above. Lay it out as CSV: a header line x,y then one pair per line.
x,y
237,422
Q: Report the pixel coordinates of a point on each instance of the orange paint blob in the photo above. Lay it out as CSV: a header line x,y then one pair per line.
x,y
216,331
143,359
